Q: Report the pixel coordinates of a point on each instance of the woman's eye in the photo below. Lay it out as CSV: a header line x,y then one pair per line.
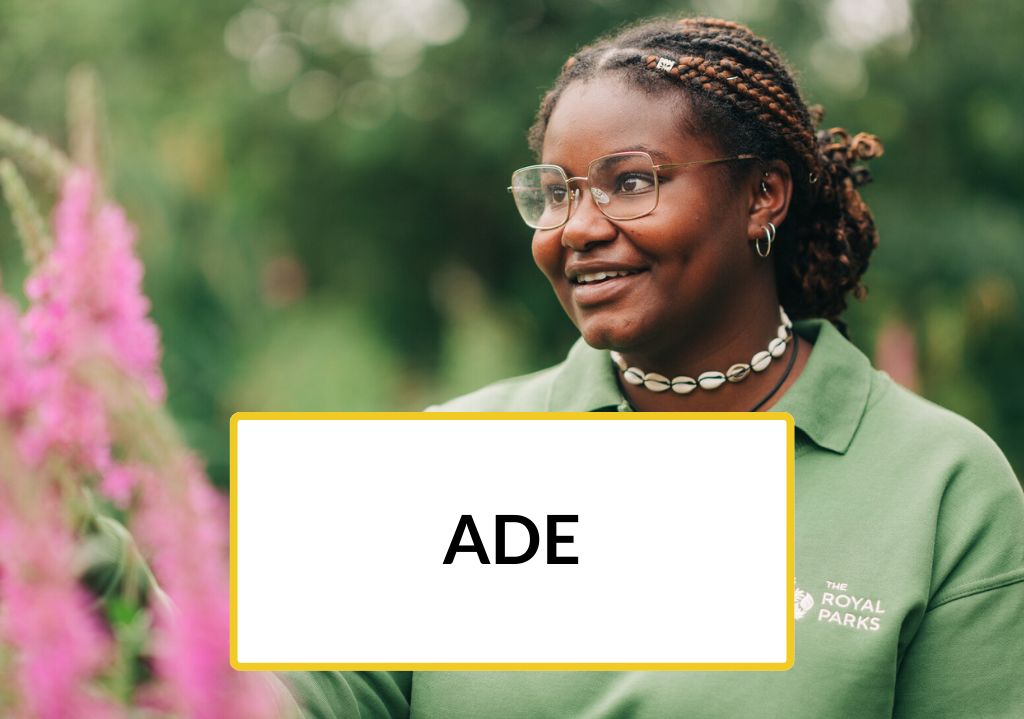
x,y
556,194
630,184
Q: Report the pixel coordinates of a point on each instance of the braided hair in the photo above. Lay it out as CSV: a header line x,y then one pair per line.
x,y
741,93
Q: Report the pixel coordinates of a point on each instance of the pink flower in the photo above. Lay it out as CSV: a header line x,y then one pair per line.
x,y
86,305
183,523
118,483
87,302
88,315
70,418
45,617
44,614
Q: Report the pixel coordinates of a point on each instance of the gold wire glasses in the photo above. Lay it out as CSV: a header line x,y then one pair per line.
x,y
624,186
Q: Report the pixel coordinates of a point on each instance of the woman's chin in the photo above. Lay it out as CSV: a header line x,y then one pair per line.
x,y
606,338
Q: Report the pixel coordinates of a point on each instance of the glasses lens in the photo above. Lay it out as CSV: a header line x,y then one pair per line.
x,y
624,186
542,196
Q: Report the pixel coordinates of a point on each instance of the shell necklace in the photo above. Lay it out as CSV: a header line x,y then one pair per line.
x,y
711,380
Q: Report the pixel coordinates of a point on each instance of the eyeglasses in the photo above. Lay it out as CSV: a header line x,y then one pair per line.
x,y
624,186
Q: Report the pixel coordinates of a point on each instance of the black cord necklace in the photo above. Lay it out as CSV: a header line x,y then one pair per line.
x,y
782,379
789,366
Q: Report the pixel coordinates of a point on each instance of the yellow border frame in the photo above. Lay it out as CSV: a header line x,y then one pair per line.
x,y
565,666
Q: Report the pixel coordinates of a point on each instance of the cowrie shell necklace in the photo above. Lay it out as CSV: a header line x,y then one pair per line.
x,y
710,380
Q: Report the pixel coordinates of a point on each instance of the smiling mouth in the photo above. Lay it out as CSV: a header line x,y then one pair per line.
x,y
598,277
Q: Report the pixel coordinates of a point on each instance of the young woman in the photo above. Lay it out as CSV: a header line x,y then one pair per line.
x,y
684,209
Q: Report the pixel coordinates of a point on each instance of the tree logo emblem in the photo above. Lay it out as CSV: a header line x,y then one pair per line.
x,y
802,602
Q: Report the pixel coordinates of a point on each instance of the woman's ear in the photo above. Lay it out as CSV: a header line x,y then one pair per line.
x,y
770,194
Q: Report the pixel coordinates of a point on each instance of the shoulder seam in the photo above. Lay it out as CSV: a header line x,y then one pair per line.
x,y
977,587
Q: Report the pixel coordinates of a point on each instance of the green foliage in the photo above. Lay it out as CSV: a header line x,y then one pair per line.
x,y
302,257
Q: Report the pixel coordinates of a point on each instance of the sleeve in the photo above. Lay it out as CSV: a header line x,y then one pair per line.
x,y
966,658
350,695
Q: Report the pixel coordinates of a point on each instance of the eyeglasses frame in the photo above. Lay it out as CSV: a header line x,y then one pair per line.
x,y
574,196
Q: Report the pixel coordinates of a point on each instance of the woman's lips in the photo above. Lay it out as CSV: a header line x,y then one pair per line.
x,y
593,293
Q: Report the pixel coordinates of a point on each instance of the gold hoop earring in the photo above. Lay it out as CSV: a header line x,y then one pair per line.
x,y
769,235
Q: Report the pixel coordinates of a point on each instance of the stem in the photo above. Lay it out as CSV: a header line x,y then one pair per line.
x,y
35,238
85,119
34,151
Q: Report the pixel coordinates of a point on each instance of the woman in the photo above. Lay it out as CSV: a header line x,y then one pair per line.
x,y
683,196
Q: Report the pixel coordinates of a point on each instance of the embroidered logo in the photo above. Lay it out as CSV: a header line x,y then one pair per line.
x,y
840,606
802,602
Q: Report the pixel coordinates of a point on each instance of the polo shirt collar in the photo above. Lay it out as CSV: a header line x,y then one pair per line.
x,y
585,382
827,401
829,398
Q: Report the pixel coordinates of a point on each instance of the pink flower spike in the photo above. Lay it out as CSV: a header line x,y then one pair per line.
x,y
59,645
75,363
86,305
184,524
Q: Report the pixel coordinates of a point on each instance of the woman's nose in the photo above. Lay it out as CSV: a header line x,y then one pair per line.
x,y
587,225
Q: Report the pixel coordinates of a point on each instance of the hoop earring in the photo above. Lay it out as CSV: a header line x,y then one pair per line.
x,y
769,235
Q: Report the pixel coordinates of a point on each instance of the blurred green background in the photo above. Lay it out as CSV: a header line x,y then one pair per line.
x,y
320,186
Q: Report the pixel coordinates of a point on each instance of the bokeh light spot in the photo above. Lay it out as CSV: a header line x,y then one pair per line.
x,y
275,65
314,95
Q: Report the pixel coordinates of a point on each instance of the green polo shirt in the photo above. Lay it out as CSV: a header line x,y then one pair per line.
x,y
909,572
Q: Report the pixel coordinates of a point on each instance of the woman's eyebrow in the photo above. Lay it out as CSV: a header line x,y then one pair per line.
x,y
653,152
